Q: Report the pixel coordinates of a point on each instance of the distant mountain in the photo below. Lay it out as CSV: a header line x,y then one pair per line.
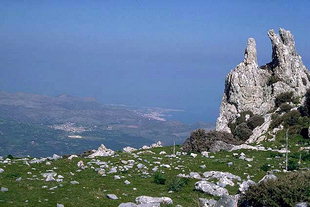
x,y
40,125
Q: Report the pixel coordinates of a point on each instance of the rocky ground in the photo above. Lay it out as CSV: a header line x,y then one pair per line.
x,y
108,178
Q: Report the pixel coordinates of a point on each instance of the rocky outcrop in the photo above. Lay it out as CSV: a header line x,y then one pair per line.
x,y
102,152
249,87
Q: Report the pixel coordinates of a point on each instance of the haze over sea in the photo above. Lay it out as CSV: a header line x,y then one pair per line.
x,y
139,53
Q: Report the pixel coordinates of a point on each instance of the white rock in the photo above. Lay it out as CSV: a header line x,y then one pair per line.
x,y
102,152
72,156
1,170
245,185
74,182
210,188
205,154
112,196
129,149
60,205
193,155
126,182
148,199
80,164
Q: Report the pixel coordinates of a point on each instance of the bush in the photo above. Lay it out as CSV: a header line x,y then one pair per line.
x,y
305,109
159,178
286,191
10,157
291,118
284,98
243,132
292,165
177,184
255,121
272,80
265,167
276,122
285,107
200,140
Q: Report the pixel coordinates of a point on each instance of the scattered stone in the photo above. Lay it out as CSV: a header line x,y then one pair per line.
x,y
227,201
130,204
210,188
203,202
112,196
74,182
72,156
153,200
126,182
245,185
1,170
3,189
303,204
205,154
60,205
268,177
129,149
193,155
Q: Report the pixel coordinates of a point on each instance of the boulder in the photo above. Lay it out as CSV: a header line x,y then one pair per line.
x,y
227,201
210,188
302,204
151,200
102,152
129,149
203,202
112,196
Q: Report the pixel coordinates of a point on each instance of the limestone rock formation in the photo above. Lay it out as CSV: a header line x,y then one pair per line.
x,y
249,87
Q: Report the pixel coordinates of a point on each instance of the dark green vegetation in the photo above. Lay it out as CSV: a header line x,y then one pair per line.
x,y
200,140
288,190
39,125
243,126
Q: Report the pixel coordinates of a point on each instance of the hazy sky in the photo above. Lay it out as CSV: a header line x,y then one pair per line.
x,y
139,52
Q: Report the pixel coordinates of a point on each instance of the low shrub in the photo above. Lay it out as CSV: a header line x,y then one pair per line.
x,y
305,109
265,167
284,98
272,80
285,107
291,118
177,184
200,140
292,165
255,121
159,178
286,191
243,132
10,157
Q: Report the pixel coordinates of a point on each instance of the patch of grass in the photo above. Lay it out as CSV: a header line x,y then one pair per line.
x,y
159,178
177,183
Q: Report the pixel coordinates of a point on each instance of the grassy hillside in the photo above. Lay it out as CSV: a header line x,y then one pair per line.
x,y
33,190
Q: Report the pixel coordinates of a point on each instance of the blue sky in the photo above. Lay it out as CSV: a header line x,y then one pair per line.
x,y
165,53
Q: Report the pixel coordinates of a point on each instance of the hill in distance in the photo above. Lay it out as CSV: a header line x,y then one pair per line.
x,y
39,125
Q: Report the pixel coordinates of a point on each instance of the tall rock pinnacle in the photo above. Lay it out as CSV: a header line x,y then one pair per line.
x,y
249,87
250,52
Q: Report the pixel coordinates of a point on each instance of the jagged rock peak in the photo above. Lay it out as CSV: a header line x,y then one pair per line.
x,y
283,46
249,87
